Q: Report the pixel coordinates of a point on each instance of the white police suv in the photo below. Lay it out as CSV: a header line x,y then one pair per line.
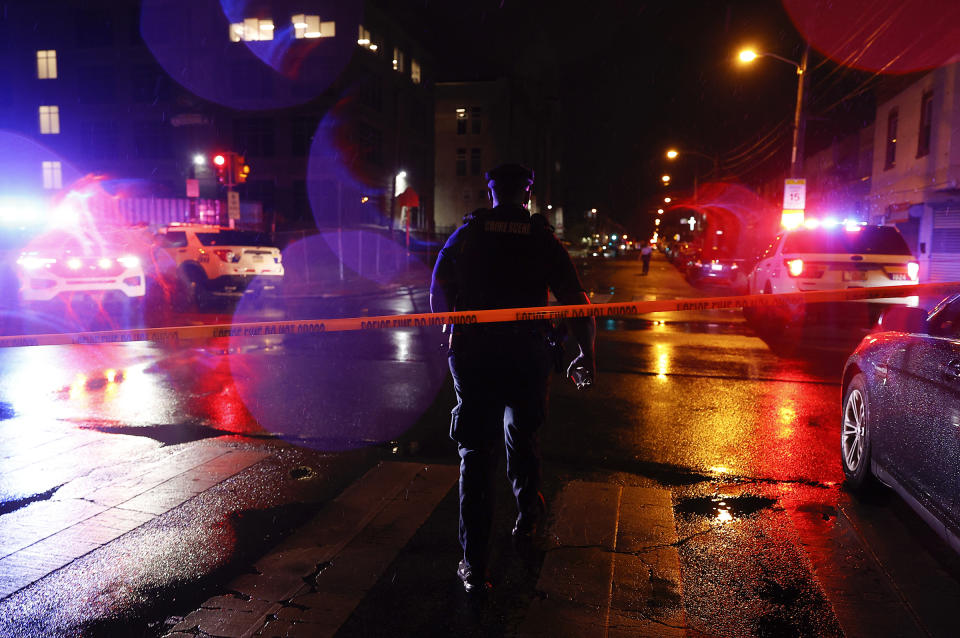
x,y
217,261
834,256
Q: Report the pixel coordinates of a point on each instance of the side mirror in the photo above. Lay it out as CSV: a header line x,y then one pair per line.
x,y
903,319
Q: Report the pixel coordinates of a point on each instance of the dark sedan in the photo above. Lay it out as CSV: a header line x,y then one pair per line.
x,y
901,412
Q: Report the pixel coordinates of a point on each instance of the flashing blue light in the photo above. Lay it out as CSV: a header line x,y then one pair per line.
x,y
830,222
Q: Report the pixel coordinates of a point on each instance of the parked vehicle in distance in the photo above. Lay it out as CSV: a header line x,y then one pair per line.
x,y
212,261
831,257
101,266
901,411
719,271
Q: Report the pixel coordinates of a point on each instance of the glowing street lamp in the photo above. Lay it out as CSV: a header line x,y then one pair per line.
x,y
665,179
659,211
667,200
199,159
746,56
672,154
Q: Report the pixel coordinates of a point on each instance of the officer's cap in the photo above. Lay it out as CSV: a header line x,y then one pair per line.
x,y
510,174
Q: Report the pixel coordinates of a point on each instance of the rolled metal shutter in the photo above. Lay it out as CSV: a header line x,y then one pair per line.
x,y
945,245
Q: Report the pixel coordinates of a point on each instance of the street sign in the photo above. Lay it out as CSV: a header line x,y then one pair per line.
x,y
233,205
193,188
795,194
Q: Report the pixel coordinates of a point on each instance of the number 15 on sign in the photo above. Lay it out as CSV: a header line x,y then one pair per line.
x,y
795,194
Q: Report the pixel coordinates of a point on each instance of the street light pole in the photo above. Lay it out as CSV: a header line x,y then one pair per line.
x,y
799,122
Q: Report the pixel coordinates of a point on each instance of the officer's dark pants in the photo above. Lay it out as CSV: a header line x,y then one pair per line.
x,y
646,263
501,382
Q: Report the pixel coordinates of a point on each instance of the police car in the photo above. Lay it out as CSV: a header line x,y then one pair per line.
x,y
831,256
214,261
63,265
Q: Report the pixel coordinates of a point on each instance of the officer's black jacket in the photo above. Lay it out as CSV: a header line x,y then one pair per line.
x,y
503,258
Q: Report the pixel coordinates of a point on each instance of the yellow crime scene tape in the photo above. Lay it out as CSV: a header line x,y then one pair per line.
x,y
175,334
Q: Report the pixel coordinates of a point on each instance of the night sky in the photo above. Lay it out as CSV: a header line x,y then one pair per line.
x,y
635,78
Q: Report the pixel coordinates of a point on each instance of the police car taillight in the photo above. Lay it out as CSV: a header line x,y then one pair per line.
x,y
794,267
226,255
913,271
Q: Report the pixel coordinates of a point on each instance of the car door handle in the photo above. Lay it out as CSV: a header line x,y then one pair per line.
x,y
952,370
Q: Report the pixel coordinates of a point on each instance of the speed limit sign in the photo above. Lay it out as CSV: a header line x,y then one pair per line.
x,y
795,194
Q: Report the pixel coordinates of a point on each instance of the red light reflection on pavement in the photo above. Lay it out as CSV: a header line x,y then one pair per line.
x,y
216,395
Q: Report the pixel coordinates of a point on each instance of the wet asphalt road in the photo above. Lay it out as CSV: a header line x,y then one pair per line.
x,y
746,441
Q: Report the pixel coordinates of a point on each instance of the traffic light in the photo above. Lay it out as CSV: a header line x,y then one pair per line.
x,y
240,169
220,162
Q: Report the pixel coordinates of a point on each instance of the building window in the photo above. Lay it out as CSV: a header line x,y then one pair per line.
x,y
475,118
47,65
415,71
926,124
475,161
461,121
365,40
251,30
307,26
49,120
461,162
52,175
398,60
891,156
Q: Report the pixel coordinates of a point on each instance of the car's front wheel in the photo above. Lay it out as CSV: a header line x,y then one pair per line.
x,y
855,435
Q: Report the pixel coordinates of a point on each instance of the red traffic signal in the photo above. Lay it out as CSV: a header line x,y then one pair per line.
x,y
220,162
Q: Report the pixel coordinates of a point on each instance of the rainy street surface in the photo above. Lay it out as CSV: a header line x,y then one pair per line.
x,y
306,486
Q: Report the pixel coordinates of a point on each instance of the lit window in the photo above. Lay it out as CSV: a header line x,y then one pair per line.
x,y
365,40
52,175
307,26
251,30
47,65
415,71
49,120
461,121
397,60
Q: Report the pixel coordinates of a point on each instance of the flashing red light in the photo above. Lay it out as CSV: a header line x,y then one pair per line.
x,y
219,160
795,267
913,271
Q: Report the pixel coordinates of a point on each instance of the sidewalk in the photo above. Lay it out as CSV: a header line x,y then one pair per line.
x,y
610,565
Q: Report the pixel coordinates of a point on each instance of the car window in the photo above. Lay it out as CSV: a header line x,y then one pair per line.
x,y
944,320
233,238
175,239
867,240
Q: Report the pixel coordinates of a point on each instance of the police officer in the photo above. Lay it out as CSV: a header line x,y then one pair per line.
x,y
503,257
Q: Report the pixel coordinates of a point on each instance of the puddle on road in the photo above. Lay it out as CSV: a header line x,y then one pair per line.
x,y
166,433
723,509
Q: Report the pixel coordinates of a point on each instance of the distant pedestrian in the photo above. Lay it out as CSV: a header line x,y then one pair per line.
x,y
503,257
645,254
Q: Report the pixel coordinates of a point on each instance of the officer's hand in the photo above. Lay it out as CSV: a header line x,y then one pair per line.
x,y
582,372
